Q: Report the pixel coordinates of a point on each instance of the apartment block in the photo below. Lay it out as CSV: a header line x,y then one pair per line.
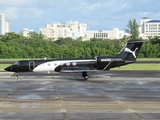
x,y
25,32
4,24
56,30
149,27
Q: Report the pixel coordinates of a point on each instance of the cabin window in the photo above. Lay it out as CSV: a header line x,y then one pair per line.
x,y
49,64
16,63
74,63
55,64
68,64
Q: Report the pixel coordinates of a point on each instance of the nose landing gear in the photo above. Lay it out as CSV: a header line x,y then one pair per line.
x,y
85,75
16,75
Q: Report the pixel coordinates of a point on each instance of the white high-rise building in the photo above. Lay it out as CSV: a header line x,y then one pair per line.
x,y
56,30
4,24
149,27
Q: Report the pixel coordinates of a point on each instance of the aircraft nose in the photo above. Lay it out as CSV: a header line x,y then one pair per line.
x,y
8,68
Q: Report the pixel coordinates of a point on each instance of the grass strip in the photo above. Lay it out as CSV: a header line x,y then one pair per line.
x,y
2,66
139,67
126,67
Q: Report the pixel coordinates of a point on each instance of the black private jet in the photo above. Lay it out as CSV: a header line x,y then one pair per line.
x,y
126,56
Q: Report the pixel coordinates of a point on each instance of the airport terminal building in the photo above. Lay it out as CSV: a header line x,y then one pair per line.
x,y
105,34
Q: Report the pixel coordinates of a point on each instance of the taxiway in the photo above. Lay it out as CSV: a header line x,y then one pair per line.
x,y
117,95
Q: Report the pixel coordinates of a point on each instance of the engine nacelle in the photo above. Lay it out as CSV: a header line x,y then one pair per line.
x,y
102,61
105,62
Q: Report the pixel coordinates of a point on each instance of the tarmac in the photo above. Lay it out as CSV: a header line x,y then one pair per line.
x,y
110,95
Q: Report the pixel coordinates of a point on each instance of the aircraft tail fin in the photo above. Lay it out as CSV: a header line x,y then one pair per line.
x,y
130,50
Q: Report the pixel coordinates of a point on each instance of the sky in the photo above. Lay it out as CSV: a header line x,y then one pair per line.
x,y
97,14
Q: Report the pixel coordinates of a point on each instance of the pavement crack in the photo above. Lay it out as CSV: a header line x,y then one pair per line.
x,y
6,96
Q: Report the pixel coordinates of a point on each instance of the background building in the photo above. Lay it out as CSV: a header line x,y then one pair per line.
x,y
149,27
105,34
4,24
56,30
25,32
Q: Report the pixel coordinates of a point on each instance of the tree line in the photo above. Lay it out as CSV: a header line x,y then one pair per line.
x,y
16,46
13,45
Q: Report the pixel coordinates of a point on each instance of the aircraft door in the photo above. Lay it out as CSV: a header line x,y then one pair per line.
x,y
31,65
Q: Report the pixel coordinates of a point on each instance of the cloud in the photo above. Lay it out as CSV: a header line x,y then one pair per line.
x,y
114,5
91,6
97,14
37,12
16,9
17,3
10,12
30,14
124,5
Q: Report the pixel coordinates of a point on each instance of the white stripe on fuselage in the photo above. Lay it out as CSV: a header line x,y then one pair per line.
x,y
50,66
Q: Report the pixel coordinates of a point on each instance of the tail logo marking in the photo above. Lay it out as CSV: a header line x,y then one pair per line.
x,y
130,51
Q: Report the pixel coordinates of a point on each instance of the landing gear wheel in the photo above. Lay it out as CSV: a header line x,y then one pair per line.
x,y
85,75
16,76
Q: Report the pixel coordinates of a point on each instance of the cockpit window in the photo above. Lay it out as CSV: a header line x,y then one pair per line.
x,y
16,63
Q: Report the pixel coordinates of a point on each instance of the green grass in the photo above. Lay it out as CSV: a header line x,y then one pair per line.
x,y
139,67
149,59
17,59
2,66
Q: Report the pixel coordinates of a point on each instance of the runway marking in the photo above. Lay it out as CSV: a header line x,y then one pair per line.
x,y
130,110
61,105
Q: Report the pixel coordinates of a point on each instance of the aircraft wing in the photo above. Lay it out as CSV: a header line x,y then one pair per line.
x,y
78,71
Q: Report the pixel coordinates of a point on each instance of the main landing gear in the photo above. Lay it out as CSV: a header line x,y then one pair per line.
x,y
85,75
16,75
